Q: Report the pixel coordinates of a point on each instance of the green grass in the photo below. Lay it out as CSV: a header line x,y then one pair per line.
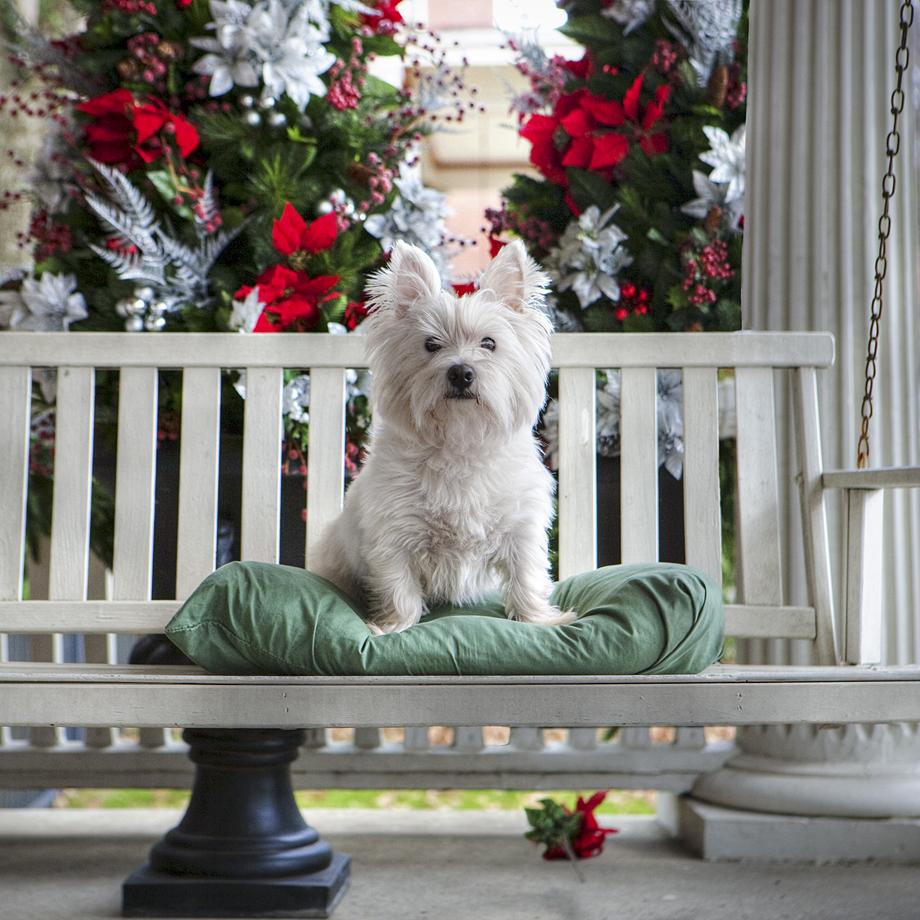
x,y
620,802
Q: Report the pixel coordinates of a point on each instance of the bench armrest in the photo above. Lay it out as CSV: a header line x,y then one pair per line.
x,y
862,614
893,477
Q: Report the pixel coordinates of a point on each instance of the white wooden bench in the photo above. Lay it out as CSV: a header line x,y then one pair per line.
x,y
843,685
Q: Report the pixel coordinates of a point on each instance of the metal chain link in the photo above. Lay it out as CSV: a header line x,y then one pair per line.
x,y
892,146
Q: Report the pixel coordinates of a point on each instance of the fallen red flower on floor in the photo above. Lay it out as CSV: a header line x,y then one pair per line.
x,y
566,833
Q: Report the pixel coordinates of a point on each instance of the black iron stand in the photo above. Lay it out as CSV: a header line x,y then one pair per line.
x,y
243,848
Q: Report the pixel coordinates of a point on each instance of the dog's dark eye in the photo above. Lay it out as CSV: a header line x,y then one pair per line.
x,y
434,345
488,344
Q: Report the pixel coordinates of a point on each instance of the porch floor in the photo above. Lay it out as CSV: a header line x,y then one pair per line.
x,y
411,865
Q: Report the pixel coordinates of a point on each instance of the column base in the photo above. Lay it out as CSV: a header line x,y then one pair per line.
x,y
148,893
718,833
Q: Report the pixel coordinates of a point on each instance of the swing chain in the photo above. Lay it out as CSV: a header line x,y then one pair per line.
x,y
892,146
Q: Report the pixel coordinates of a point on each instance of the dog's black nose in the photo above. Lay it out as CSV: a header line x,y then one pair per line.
x,y
461,377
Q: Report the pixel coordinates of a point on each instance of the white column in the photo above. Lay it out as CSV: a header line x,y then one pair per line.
x,y
821,74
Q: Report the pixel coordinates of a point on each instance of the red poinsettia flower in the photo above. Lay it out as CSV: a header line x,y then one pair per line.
x,y
461,290
127,132
540,130
384,18
594,145
589,841
111,133
152,118
291,298
295,238
582,68
354,313
642,125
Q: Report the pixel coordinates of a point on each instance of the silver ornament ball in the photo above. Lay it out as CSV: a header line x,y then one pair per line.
x,y
154,323
134,324
324,207
159,307
277,119
267,102
144,293
122,307
253,119
247,101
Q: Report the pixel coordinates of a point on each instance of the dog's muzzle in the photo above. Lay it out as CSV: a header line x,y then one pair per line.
x,y
460,377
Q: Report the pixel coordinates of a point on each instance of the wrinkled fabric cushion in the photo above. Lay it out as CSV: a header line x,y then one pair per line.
x,y
256,618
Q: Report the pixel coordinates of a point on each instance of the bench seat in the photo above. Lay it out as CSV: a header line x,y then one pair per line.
x,y
136,695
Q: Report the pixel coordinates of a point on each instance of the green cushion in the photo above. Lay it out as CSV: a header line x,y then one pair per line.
x,y
256,618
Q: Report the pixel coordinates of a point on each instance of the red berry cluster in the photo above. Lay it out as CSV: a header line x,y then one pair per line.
x,y
737,88
50,237
700,270
380,182
150,58
169,425
130,7
714,260
632,300
533,229
348,79
664,56
354,457
41,451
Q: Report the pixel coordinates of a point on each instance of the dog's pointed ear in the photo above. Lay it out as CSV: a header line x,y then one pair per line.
x,y
515,279
409,277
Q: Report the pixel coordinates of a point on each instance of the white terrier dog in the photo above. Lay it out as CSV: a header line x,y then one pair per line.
x,y
453,500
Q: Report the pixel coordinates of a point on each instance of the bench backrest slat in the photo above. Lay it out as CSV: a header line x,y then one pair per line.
x,y
326,480
196,540
577,471
135,482
702,506
260,515
639,464
758,551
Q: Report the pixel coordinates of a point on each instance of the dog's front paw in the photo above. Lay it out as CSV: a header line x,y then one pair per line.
x,y
390,624
543,615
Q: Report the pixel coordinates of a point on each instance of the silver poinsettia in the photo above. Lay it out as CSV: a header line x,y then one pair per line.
x,y
713,195
417,217
707,29
726,156
629,13
277,42
589,256
49,303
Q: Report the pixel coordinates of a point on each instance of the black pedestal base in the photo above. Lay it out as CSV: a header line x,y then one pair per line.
x,y
148,893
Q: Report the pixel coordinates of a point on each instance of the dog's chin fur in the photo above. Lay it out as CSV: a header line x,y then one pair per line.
x,y
454,499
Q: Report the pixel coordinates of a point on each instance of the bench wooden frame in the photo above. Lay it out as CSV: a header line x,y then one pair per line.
x,y
844,685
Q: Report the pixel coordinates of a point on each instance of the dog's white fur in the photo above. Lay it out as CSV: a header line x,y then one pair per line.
x,y
454,499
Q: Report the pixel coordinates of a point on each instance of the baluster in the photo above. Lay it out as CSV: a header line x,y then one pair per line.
x,y
468,738
582,739
527,739
636,738
367,739
416,738
690,738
